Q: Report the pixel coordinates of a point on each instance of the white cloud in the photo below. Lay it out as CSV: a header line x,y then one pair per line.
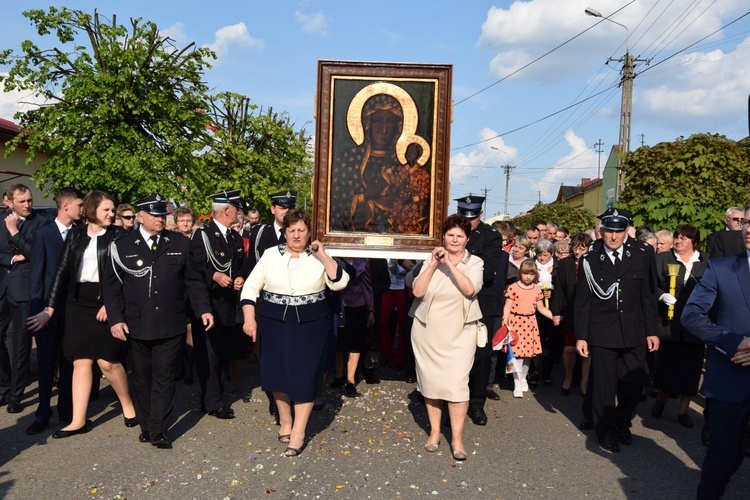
x,y
176,32
467,165
709,86
579,163
705,86
313,24
17,100
236,34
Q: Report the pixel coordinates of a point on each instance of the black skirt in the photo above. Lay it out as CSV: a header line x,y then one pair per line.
x,y
354,334
85,337
678,368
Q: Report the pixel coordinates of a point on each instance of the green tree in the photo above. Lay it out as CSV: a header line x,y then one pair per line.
x,y
122,113
574,220
688,181
257,151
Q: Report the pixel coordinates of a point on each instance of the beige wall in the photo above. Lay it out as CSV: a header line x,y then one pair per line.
x,y
16,162
591,199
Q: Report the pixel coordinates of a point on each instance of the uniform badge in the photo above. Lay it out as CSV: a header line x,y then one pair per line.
x,y
627,253
601,258
221,254
137,242
139,262
217,234
166,238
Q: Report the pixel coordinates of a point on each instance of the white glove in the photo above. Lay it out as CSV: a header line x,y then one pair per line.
x,y
667,299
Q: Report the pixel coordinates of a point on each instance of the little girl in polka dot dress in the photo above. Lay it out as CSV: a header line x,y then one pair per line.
x,y
522,300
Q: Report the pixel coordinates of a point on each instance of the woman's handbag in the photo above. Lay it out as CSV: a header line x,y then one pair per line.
x,y
481,334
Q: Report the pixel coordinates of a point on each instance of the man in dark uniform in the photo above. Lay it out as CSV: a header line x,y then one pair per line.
x,y
487,244
218,258
265,236
144,287
616,323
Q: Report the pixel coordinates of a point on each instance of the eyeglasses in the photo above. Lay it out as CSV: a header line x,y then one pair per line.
x,y
744,223
127,217
183,221
736,219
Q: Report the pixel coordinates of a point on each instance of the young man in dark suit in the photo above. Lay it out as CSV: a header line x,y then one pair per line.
x,y
45,255
717,313
616,323
17,236
218,258
144,287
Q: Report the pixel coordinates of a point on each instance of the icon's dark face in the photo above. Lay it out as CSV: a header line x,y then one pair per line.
x,y
384,127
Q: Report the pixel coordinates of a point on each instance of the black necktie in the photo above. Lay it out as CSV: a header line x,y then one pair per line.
x,y
616,255
154,240
20,223
228,235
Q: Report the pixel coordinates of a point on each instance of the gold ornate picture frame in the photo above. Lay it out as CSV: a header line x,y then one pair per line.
x,y
382,140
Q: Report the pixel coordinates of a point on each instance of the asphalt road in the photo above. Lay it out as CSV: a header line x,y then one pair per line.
x,y
369,447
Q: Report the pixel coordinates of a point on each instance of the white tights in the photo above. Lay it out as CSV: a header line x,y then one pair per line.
x,y
519,377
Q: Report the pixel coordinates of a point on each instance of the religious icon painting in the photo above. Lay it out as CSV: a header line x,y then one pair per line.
x,y
382,153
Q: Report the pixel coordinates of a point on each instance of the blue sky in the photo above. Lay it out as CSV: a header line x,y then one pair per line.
x,y
269,52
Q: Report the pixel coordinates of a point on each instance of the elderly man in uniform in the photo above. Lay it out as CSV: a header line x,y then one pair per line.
x,y
143,290
217,255
616,323
487,244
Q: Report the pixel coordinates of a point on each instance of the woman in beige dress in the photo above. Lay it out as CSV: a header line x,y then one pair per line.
x,y
444,333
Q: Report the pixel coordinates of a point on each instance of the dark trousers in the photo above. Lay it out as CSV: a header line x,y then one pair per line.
x,y
728,423
480,370
20,355
618,373
49,353
153,372
211,360
393,299
5,369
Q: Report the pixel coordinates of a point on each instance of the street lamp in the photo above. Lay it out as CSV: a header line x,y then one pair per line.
x,y
507,169
595,13
626,107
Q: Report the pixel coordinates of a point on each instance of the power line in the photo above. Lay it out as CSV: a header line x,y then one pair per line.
x,y
652,66
535,121
537,59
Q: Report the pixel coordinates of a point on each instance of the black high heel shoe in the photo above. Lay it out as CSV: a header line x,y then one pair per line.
x,y
130,422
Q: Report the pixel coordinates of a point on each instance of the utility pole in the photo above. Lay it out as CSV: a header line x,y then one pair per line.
x,y
626,110
643,139
507,169
626,107
598,149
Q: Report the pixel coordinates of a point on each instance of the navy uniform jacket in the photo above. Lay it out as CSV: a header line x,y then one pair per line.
x,y
487,244
262,237
152,305
16,280
623,320
223,302
717,313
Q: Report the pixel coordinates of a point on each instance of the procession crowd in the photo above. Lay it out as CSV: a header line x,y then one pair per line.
x,y
151,298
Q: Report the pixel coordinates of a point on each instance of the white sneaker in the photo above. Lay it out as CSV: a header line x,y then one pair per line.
x,y
524,386
517,393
